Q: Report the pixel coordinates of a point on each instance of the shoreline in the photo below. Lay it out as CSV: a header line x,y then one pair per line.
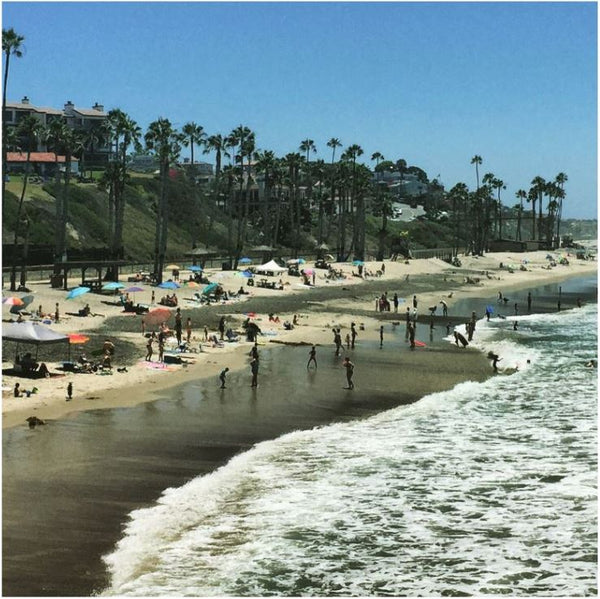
x,y
348,301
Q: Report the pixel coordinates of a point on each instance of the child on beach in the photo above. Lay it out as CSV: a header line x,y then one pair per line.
x,y
223,376
149,350
69,391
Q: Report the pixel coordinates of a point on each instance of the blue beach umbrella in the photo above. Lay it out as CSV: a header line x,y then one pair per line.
x,y
209,288
169,285
195,268
357,263
77,292
301,261
246,273
245,260
112,286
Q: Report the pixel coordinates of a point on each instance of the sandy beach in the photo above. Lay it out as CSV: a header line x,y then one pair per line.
x,y
319,308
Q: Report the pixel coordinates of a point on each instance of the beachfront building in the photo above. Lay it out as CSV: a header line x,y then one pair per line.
x,y
83,119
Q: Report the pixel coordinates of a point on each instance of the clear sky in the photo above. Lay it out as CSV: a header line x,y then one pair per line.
x,y
433,83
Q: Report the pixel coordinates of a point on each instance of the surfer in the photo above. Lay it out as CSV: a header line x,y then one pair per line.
x,y
495,359
458,337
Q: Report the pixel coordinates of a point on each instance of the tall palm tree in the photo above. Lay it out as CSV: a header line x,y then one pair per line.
x,y
521,195
193,134
498,185
560,180
31,129
532,196
12,45
378,157
353,152
539,184
308,146
333,143
217,144
293,163
477,160
164,140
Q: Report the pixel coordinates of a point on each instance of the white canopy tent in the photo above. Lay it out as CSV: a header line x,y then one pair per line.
x,y
32,333
271,267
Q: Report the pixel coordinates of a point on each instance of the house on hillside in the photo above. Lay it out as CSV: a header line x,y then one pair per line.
x,y
83,119
43,164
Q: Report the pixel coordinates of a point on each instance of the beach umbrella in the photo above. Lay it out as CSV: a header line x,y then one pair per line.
x,y
209,288
157,316
293,261
301,261
77,338
246,273
308,271
112,286
357,263
169,285
13,301
134,289
329,257
173,267
77,292
195,268
245,260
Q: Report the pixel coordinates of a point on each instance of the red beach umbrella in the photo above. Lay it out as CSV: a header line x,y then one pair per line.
x,y
77,338
13,301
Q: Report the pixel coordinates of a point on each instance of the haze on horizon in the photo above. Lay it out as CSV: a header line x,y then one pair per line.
x,y
433,83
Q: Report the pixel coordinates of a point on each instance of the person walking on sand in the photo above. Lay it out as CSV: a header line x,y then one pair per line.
x,y
188,329
178,325
415,301
396,302
349,366
380,336
529,301
254,370
347,340
222,327
312,357
161,349
153,297
407,321
205,333
69,391
223,376
56,313
353,334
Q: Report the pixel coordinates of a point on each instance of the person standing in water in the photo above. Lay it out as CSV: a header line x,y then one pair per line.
x,y
529,302
353,334
312,357
349,366
254,370
380,336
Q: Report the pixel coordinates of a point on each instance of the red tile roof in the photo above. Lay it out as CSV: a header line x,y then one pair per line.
x,y
35,157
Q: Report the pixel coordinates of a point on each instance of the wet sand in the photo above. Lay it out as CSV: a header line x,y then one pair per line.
x,y
68,486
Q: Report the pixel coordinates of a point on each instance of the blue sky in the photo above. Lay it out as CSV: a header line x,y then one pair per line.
x,y
433,83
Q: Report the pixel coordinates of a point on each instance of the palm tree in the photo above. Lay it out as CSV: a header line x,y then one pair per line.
x,y
477,160
96,135
308,146
539,184
31,129
560,180
293,162
162,139
353,152
333,143
11,46
192,134
521,195
498,185
458,196
532,196
378,157
216,143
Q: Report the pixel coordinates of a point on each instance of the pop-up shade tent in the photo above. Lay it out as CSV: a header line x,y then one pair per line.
x,y
32,333
271,266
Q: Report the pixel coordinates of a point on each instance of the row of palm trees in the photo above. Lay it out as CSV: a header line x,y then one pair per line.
x,y
485,214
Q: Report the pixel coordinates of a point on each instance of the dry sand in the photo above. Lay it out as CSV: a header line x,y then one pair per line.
x,y
320,308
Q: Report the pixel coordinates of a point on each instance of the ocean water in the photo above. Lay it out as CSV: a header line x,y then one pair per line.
x,y
486,489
